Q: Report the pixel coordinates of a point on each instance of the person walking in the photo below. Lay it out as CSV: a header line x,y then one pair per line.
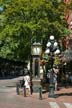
x,y
52,76
27,83
55,72
27,80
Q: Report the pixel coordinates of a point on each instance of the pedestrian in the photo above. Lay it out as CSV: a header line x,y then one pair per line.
x,y
41,72
55,72
27,83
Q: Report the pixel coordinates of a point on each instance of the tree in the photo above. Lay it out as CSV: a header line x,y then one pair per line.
x,y
23,21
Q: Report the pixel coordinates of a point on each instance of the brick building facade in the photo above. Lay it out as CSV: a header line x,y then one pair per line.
x,y
68,18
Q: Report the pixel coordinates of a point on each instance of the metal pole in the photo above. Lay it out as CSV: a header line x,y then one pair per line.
x,y
24,91
51,86
40,93
17,89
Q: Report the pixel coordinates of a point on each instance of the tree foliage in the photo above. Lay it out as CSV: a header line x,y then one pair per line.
x,y
24,21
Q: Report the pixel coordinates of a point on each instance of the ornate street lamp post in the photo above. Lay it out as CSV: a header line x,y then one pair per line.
x,y
36,50
52,49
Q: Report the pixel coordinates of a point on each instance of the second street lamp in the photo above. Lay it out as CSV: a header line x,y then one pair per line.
x,y
52,49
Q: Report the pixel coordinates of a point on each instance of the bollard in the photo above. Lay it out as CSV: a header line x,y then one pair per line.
x,y
17,88
40,93
24,91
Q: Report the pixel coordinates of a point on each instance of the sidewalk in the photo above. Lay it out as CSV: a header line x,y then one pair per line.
x,y
63,95
12,100
9,98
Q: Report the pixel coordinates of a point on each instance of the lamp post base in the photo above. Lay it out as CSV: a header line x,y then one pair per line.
x,y
51,91
36,84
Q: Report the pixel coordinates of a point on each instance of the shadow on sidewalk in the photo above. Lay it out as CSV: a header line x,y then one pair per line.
x,y
64,94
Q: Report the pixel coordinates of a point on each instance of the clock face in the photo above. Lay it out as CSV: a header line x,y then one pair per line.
x,y
36,51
